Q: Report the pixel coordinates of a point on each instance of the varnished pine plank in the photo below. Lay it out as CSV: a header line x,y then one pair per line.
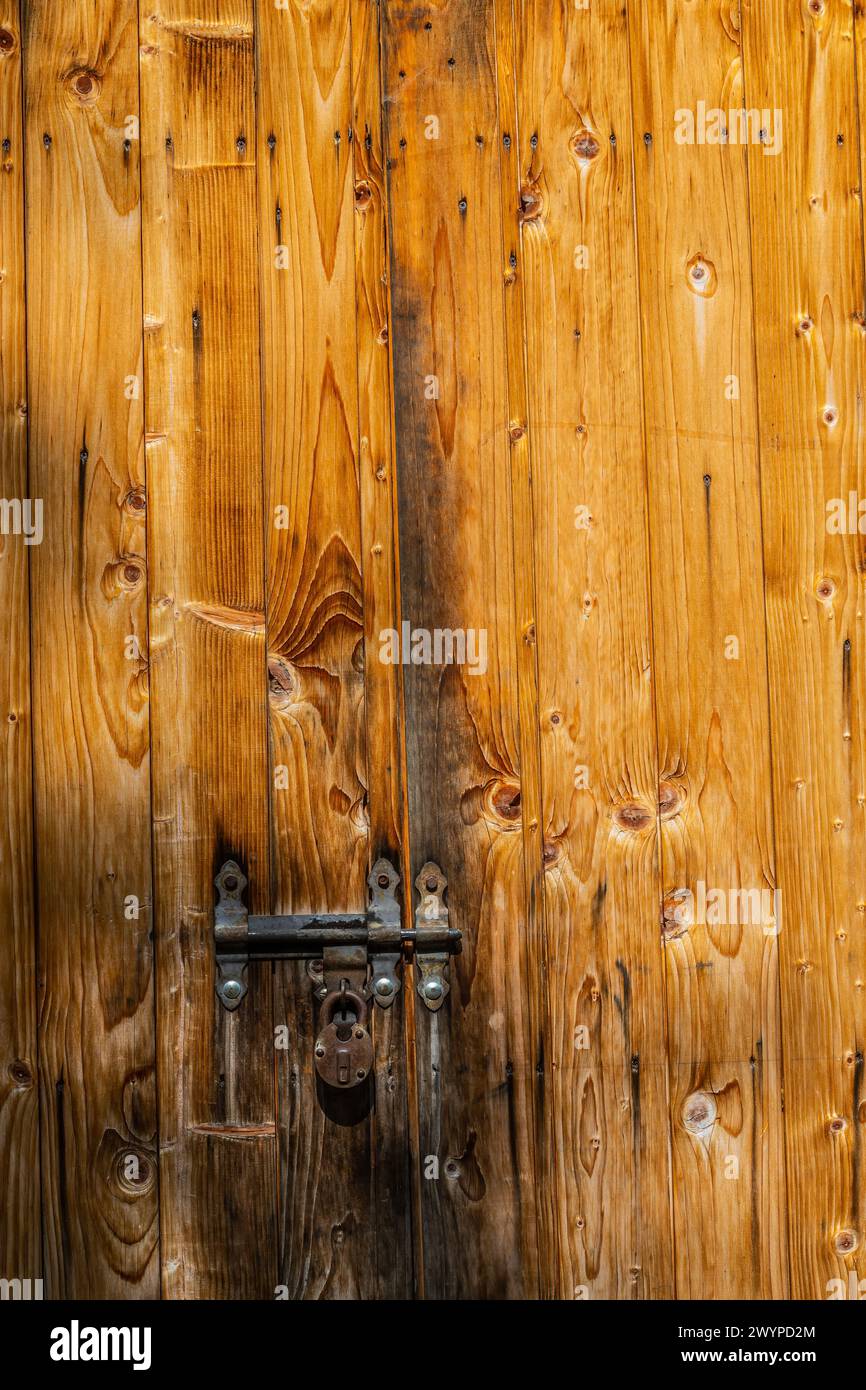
x,y
590,320
807,257
479,1057
523,531
344,1207
715,797
218,1149
599,778
395,1118
20,1235
90,672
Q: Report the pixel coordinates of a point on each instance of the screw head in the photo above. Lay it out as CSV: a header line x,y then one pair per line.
x,y
320,1051
232,989
433,989
385,986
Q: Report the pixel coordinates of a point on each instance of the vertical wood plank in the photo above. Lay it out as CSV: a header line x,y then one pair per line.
x,y
715,792
218,1150
599,776
378,493
807,255
523,530
20,1234
395,1140
480,1057
344,1208
90,698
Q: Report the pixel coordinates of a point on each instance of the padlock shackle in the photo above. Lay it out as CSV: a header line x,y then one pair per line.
x,y
340,998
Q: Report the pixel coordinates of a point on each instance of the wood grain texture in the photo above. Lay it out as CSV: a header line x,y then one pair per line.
x,y
20,1214
322,316
395,1135
218,1148
523,529
598,754
481,1058
90,697
807,251
715,795
344,1199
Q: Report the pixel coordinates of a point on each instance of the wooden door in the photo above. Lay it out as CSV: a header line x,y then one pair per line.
x,y
446,426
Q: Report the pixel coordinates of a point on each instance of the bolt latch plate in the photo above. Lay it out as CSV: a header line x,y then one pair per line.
x,y
344,951
431,915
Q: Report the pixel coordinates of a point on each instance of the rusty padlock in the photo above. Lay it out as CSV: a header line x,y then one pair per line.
x,y
344,1048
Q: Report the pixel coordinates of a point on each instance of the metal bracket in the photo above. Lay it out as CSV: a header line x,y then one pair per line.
x,y
431,915
348,951
230,926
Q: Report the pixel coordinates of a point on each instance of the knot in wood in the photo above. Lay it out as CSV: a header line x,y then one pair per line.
x,y
699,1112
84,86
671,798
503,800
530,203
632,817
584,145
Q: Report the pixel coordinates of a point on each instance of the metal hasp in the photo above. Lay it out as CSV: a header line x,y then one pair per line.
x,y
431,920
352,958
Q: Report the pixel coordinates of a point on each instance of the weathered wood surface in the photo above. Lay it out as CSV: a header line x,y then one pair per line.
x,y
709,650
395,1132
89,642
344,1208
607,1047
807,252
338,315
525,598
481,1058
218,1145
20,1233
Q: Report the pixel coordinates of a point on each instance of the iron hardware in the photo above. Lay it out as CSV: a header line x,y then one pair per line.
x,y
352,958
344,1048
431,920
